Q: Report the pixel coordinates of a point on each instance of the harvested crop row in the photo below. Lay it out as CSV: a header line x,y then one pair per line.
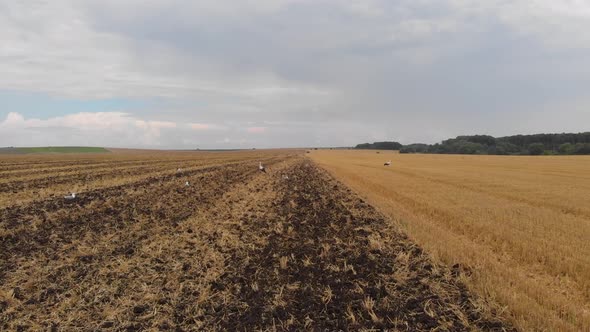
x,y
39,172
44,176
26,173
14,215
44,180
36,161
25,191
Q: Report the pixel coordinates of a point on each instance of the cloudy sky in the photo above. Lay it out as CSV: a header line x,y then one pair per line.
x,y
288,73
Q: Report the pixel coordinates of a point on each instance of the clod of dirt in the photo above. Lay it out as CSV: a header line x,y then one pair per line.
x,y
140,309
107,324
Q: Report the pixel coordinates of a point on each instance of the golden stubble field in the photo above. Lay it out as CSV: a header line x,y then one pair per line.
x,y
518,225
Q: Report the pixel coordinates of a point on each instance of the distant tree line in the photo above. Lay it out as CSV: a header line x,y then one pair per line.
x,y
538,144
380,146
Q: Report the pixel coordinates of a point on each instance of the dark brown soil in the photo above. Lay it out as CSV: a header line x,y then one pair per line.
x,y
346,269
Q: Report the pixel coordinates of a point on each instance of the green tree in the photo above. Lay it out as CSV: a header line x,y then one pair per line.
x,y
566,148
506,148
469,148
582,148
536,148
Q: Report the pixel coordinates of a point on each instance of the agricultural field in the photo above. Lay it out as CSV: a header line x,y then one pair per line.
x,y
518,225
138,249
54,149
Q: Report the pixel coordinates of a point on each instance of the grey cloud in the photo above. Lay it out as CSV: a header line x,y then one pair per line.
x,y
312,72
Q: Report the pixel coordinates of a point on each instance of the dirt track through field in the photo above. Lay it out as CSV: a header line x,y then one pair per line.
x,y
291,249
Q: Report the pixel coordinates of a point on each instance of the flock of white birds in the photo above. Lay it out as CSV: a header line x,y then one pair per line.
x,y
261,168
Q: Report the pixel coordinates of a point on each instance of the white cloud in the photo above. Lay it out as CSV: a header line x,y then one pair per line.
x,y
556,24
200,126
101,128
55,47
13,120
256,130
152,129
207,126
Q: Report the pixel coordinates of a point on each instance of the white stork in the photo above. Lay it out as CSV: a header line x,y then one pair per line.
x,y
261,168
187,184
70,196
388,163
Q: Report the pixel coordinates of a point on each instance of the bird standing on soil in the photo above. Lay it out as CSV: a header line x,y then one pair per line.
x,y
261,168
186,184
388,163
70,196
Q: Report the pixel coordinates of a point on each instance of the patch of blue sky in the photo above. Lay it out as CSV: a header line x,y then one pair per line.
x,y
44,106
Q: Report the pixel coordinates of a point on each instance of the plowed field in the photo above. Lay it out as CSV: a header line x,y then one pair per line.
x,y
237,249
